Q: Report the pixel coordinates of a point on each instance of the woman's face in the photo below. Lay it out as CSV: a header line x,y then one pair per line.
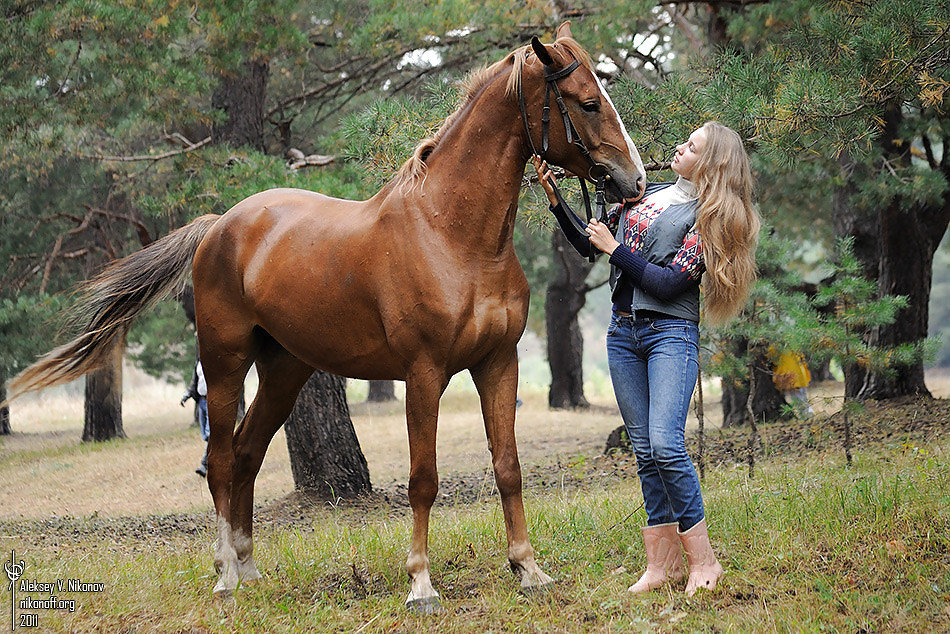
x,y
687,154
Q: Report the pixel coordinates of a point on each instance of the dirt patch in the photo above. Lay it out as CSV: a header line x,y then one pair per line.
x,y
904,424
46,473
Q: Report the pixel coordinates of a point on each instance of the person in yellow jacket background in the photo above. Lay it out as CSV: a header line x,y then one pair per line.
x,y
791,377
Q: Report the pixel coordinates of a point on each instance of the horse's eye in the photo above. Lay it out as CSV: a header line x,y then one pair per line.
x,y
591,106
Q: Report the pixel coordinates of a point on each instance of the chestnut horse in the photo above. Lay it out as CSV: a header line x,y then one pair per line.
x,y
416,284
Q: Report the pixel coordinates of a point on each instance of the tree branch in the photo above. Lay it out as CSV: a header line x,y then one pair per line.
x,y
62,85
929,152
687,30
54,252
41,221
312,160
48,267
148,157
716,3
145,236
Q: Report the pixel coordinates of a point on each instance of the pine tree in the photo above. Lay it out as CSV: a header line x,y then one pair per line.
x,y
841,334
856,91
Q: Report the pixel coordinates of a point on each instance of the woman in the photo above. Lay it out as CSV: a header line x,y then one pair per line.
x,y
659,248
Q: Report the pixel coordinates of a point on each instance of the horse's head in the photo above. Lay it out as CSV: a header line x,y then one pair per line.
x,y
585,134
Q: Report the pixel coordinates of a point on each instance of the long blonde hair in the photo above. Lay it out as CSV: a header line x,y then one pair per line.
x,y
727,222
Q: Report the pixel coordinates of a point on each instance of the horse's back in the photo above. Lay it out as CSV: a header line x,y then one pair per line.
x,y
262,219
301,266
293,205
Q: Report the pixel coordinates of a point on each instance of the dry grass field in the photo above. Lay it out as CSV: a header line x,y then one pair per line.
x,y
152,471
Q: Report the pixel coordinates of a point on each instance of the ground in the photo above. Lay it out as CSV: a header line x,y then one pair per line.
x,y
146,485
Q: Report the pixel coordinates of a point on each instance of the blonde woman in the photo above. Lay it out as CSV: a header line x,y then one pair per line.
x,y
703,226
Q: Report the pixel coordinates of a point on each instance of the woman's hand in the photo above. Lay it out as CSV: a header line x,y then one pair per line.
x,y
601,237
546,178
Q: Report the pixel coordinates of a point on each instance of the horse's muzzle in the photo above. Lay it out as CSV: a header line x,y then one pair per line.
x,y
621,188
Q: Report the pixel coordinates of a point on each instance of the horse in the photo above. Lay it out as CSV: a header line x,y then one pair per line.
x,y
417,283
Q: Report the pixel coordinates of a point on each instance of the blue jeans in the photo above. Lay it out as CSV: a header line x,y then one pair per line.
x,y
653,366
203,418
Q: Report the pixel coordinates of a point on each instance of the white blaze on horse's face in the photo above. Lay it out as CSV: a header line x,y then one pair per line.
x,y
631,148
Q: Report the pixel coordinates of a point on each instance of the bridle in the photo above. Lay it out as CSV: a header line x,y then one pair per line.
x,y
597,172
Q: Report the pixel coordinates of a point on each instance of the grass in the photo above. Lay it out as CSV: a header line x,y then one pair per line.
x,y
808,546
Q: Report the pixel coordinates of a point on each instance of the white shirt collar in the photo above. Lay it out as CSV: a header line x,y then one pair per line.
x,y
682,191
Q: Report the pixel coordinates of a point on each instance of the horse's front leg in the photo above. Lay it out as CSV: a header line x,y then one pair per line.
x,y
423,391
497,382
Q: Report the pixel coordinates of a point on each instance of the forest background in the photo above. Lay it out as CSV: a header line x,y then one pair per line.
x,y
124,120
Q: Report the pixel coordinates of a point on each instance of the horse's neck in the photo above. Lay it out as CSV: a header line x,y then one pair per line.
x,y
475,172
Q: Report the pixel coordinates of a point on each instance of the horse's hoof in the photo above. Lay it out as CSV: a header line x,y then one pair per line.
x,y
223,591
250,577
539,589
536,584
425,606
223,595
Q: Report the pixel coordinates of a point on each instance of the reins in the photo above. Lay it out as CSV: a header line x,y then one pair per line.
x,y
597,172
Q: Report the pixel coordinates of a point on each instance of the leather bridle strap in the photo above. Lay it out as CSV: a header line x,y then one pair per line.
x,y
550,78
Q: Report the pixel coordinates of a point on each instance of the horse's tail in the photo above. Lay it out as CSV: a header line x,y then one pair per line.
x,y
109,302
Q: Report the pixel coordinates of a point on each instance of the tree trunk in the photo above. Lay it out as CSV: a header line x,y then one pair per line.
x,y
754,436
566,295
4,410
242,97
767,402
717,26
896,246
325,454
906,266
381,392
103,402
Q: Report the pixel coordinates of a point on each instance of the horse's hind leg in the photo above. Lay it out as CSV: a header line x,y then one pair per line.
x,y
281,377
225,366
496,380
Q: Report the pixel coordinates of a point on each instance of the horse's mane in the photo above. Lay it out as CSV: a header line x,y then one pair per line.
x,y
413,171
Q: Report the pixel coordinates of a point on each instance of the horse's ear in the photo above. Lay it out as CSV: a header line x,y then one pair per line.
x,y
541,51
564,30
